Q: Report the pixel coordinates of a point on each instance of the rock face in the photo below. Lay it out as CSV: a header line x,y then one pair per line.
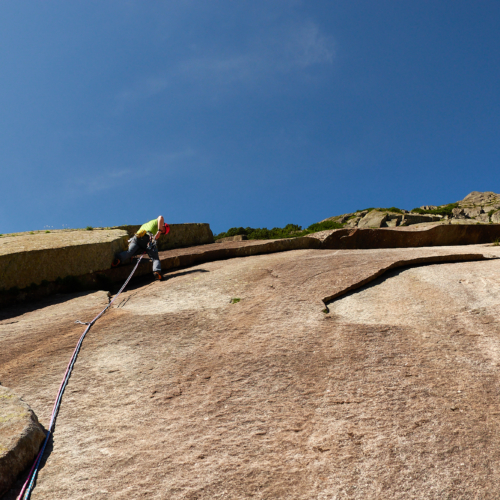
x,y
181,391
410,219
439,235
458,213
483,218
472,212
396,237
373,219
28,259
477,198
20,437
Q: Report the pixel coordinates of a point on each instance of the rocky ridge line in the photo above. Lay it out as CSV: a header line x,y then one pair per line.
x,y
476,207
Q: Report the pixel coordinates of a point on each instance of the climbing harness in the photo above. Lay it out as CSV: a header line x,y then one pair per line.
x,y
30,481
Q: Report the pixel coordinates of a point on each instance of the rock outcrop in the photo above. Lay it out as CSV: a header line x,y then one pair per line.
x,y
35,258
29,260
20,437
439,235
374,218
476,207
481,199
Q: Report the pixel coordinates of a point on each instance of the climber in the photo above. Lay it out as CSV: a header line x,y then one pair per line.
x,y
145,240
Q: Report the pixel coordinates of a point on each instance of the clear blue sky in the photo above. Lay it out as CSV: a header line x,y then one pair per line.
x,y
243,113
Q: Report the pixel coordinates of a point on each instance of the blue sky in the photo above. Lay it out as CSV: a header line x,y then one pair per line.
x,y
243,113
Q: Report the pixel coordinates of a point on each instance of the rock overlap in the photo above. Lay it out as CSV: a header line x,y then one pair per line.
x,y
34,258
180,235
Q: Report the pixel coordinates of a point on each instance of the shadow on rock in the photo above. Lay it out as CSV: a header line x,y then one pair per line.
x,y
19,309
14,491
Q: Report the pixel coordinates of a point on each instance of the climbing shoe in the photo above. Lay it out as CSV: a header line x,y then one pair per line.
x,y
158,276
116,262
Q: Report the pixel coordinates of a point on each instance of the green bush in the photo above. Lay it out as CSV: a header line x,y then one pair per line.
x,y
324,226
89,228
262,233
442,210
289,231
391,209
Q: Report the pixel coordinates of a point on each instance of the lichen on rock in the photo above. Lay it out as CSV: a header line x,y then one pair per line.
x,y
20,437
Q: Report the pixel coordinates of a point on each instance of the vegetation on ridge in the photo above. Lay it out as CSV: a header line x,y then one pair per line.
x,y
289,231
390,209
442,210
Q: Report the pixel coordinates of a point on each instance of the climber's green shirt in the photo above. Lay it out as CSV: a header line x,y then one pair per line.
x,y
149,227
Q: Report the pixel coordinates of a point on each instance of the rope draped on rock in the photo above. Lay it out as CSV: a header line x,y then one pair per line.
x,y
30,481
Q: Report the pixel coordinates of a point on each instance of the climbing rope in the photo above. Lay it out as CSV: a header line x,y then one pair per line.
x,y
30,481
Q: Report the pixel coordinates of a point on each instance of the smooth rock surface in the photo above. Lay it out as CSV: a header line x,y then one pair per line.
x,y
20,437
180,391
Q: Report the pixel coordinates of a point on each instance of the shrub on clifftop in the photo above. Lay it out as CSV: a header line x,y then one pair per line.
x,y
289,231
442,210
